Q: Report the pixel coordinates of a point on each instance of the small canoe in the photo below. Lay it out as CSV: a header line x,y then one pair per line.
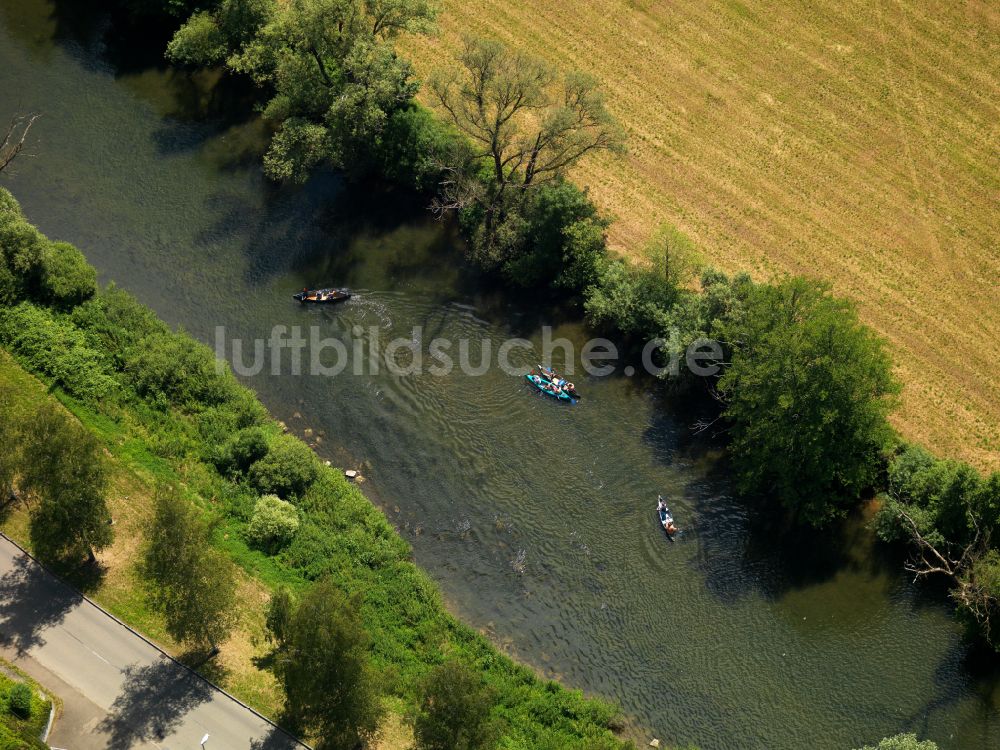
x,y
553,377
548,389
322,296
666,520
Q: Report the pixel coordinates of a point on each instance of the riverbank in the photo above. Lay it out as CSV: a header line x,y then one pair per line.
x,y
155,397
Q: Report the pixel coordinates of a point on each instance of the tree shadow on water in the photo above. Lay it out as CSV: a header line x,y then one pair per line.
x,y
153,702
752,547
31,600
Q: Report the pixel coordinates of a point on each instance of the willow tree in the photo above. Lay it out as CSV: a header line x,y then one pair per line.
x,y
807,392
528,124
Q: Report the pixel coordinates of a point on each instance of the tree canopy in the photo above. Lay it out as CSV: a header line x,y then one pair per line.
x,y
455,710
334,73
331,689
528,124
807,392
193,584
63,470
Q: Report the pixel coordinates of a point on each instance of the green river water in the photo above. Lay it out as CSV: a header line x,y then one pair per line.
x,y
536,521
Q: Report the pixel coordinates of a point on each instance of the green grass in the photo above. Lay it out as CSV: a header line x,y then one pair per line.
x,y
17,732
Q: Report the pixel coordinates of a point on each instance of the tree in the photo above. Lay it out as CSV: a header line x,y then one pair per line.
x,y
280,610
193,584
807,393
273,524
63,469
631,299
331,689
335,76
673,252
287,470
902,742
949,514
563,239
67,278
21,249
528,125
455,709
14,138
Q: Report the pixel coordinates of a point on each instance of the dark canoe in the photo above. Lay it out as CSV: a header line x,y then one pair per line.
x,y
322,296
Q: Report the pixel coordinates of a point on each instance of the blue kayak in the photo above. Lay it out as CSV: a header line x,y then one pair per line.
x,y
553,377
548,389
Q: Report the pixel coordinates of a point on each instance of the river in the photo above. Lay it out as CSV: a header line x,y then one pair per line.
x,y
535,520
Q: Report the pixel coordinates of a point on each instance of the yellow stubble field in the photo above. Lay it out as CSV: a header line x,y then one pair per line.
x,y
857,141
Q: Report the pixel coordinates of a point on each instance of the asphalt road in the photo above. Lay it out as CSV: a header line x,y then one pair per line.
x,y
134,695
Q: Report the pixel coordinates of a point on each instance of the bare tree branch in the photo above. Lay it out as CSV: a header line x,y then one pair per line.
x,y
15,137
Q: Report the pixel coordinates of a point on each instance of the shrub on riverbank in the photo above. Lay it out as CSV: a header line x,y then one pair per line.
x,y
950,517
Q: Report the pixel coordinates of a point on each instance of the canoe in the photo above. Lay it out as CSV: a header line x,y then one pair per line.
x,y
666,521
322,296
547,388
553,377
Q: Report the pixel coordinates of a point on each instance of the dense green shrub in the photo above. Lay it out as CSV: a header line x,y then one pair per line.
x,y
413,147
199,41
116,323
630,299
53,346
20,700
542,255
21,250
945,496
286,471
235,456
67,278
584,252
174,369
273,524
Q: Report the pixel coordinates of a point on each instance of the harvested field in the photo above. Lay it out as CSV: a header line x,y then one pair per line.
x,y
858,142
